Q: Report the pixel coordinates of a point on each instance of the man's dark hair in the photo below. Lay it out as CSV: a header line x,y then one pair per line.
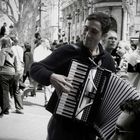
x,y
132,106
103,18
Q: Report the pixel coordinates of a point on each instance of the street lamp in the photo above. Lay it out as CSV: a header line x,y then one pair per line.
x,y
69,18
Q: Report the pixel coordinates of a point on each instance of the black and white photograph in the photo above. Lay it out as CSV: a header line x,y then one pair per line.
x,y
69,69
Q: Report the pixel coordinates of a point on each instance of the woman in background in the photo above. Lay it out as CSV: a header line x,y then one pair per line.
x,y
8,68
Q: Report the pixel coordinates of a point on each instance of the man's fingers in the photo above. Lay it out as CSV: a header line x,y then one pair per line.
x,y
66,88
67,82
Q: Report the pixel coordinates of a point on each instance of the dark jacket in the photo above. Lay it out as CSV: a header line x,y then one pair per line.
x,y
28,60
59,62
2,31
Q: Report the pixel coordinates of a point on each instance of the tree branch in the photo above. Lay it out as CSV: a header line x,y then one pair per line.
x,y
9,16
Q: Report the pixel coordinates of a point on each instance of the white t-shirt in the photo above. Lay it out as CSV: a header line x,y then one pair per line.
x,y
18,51
42,51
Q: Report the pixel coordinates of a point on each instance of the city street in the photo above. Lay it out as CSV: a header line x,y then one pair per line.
x,y
32,125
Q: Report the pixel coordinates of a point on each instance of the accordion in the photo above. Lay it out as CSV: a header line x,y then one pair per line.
x,y
95,97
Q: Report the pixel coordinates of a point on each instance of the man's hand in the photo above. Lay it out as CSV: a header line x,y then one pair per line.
x,y
61,83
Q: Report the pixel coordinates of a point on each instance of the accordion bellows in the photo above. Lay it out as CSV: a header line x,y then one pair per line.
x,y
95,97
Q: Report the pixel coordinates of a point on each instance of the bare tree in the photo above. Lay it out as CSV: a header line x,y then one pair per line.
x,y
23,14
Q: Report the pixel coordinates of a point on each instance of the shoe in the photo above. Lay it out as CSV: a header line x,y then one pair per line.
x,y
6,112
1,114
19,111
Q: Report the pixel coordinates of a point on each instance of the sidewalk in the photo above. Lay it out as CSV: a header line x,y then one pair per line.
x,y
32,125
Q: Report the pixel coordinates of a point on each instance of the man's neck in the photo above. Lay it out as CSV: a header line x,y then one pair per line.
x,y
109,50
95,52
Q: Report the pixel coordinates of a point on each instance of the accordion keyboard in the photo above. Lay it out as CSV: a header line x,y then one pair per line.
x,y
68,101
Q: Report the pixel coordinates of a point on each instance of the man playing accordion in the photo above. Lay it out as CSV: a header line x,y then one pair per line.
x,y
55,68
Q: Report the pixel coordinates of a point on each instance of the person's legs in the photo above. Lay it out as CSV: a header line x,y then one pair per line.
x,y
25,77
17,96
33,92
4,93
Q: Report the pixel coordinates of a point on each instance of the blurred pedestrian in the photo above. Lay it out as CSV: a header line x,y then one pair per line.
x,y
18,81
124,51
3,30
37,40
12,32
60,44
133,70
54,44
28,60
40,53
8,69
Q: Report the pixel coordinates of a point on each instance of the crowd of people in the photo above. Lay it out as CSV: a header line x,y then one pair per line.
x,y
15,63
49,67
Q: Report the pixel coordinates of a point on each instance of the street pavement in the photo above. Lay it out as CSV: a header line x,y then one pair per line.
x,y
32,125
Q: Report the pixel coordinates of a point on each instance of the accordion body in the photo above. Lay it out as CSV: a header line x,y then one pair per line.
x,y
95,97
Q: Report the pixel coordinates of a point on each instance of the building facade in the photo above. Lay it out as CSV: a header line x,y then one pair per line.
x,y
124,14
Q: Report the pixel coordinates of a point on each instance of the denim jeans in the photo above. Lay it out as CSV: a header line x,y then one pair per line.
x,y
6,81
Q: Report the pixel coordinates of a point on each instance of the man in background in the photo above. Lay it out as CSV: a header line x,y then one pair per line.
x,y
18,51
110,41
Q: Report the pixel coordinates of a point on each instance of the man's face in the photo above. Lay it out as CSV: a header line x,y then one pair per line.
x,y
92,34
124,127
111,41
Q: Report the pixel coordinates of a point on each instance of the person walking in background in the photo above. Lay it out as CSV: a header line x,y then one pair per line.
x,y
130,63
53,45
16,92
133,70
55,68
60,44
12,32
40,53
28,60
124,51
3,30
8,69
37,40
